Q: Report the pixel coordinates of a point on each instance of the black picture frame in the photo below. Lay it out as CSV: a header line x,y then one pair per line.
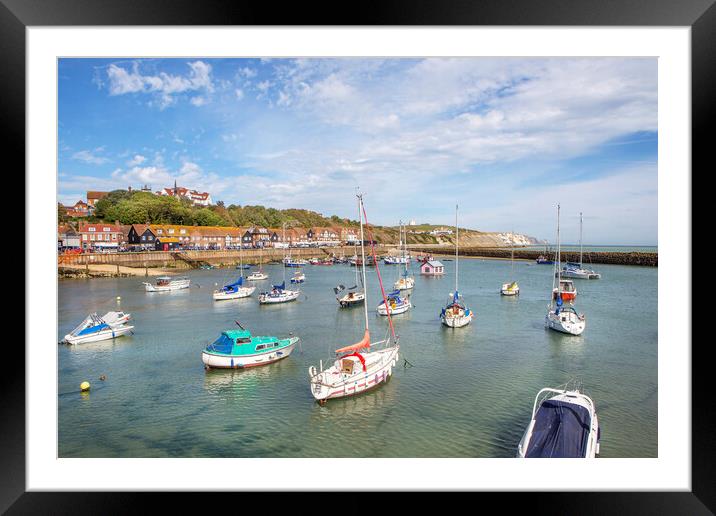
x,y
700,15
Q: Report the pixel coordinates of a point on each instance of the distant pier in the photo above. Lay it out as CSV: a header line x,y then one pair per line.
x,y
611,258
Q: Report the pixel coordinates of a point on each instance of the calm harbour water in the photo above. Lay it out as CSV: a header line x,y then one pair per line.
x,y
469,394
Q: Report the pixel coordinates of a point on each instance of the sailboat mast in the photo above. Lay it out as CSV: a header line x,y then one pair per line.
x,y
289,252
559,257
580,239
457,243
362,252
512,254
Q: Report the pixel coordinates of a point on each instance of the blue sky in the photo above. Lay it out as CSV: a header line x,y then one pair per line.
x,y
506,138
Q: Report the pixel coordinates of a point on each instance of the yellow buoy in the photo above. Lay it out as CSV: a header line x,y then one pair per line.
x,y
84,386
119,298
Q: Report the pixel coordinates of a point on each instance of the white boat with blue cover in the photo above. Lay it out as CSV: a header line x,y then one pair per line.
x,y
396,304
234,290
278,294
564,424
94,328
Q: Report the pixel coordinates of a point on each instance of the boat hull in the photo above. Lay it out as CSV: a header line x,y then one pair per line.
x,y
331,384
257,277
406,284
399,309
175,285
456,321
565,324
219,295
265,299
110,333
217,361
566,296
507,291
347,302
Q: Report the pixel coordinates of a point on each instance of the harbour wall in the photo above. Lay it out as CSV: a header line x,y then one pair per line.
x,y
611,258
191,259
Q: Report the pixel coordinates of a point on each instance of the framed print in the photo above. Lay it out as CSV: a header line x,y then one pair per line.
x,y
398,252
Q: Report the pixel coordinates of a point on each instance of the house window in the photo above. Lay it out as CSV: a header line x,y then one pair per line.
x,y
92,237
144,237
84,237
91,229
171,231
182,231
105,229
160,231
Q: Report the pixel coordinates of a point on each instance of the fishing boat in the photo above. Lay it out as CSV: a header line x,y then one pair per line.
x,y
236,349
560,317
298,277
94,328
233,290
166,283
314,261
456,314
542,260
511,288
357,368
577,270
394,304
566,290
406,281
564,424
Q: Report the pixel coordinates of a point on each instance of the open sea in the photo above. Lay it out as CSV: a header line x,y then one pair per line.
x,y
469,392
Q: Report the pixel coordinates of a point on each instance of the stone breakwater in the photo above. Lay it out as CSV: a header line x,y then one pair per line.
x,y
611,258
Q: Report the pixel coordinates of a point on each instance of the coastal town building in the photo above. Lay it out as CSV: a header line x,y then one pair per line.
x,y
93,197
323,236
195,197
67,237
141,236
79,209
100,236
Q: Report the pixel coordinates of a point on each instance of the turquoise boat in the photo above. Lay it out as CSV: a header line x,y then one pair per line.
x,y
236,349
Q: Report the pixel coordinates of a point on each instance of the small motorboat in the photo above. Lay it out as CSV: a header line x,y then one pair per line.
x,y
395,260
298,277
564,424
288,262
94,328
166,283
542,260
576,271
396,304
239,349
278,294
243,266
510,289
233,290
257,276
404,283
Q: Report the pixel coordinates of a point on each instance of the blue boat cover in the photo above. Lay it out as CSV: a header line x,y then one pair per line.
x,y
93,329
232,286
561,430
282,286
223,344
394,295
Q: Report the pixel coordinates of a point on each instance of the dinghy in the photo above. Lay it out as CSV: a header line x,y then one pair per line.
x,y
257,276
357,369
298,277
166,283
94,329
236,349
564,424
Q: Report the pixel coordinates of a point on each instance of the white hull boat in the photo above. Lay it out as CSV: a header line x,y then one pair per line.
x,y
579,273
116,318
257,276
396,260
404,283
222,295
349,375
456,316
278,296
510,289
166,283
94,329
564,424
565,320
298,278
351,299
395,306
217,361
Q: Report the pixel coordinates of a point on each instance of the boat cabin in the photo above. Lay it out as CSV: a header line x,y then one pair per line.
x,y
432,268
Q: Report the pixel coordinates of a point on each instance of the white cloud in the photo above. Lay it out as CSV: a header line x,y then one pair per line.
x,y
239,94
198,101
138,159
91,157
162,85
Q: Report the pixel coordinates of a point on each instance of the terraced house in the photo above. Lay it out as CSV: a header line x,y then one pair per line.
x,y
100,236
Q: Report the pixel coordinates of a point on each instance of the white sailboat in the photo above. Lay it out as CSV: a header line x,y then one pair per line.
x,y
357,368
235,290
559,317
278,293
511,288
406,281
564,424
456,314
578,271
354,296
